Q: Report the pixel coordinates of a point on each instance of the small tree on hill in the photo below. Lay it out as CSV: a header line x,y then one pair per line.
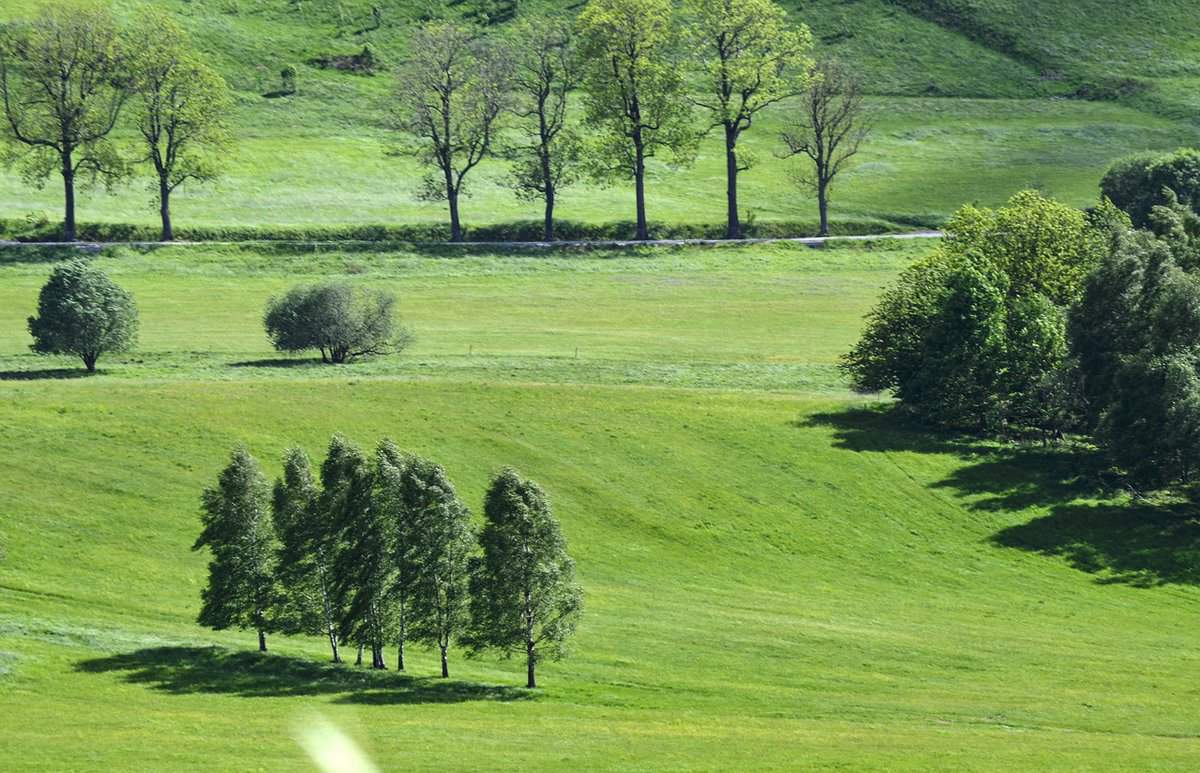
x,y
341,321
450,96
751,58
84,313
306,543
635,91
181,108
545,70
63,82
238,533
523,592
828,130
362,568
442,542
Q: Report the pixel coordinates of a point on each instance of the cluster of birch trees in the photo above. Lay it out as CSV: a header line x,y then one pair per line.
x,y
378,550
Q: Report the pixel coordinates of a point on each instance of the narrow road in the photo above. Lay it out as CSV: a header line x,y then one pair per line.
x,y
812,241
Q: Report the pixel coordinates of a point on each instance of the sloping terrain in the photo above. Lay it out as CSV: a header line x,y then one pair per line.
x,y
773,578
973,101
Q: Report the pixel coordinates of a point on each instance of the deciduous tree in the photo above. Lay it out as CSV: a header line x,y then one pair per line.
x,y
750,58
238,533
181,109
442,541
545,71
83,313
828,129
523,592
451,93
306,546
63,82
636,100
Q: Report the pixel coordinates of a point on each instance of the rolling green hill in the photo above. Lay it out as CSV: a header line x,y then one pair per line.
x,y
778,574
973,101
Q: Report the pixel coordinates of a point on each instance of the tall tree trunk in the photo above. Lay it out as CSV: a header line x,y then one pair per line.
x,y
445,663
639,178
262,634
823,206
733,227
325,606
452,199
68,175
89,362
530,663
164,209
358,660
400,655
548,184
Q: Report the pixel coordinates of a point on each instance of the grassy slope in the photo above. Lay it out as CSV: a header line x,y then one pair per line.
x,y
319,157
773,579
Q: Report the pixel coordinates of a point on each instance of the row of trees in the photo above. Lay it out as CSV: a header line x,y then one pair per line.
x,y
1038,317
381,551
68,77
630,58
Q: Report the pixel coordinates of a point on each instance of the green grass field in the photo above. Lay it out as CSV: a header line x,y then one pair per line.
x,y
778,574
958,117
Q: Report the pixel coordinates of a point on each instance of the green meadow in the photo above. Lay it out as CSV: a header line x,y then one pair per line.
x,y
777,573
969,111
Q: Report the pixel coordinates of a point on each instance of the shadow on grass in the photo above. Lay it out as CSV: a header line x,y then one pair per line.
x,y
1140,545
290,362
44,374
190,670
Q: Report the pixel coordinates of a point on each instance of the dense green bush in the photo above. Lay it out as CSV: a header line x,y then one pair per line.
x,y
1135,335
83,313
1138,183
341,321
973,337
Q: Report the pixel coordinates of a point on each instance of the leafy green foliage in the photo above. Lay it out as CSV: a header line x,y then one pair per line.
x,y
238,533
974,336
636,101
1141,182
1136,336
181,107
342,321
83,313
441,539
62,81
523,592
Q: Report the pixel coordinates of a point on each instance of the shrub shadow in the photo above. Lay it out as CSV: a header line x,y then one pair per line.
x,y
190,670
1135,544
44,374
286,362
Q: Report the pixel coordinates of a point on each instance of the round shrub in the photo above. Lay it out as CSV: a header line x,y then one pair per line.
x,y
341,321
84,313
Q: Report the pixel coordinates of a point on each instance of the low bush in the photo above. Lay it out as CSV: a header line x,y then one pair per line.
x,y
341,321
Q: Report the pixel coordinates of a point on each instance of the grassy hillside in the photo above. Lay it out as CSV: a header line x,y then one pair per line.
x,y
959,116
777,573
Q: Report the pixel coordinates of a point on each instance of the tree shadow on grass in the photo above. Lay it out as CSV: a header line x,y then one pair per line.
x,y
1140,545
44,374
190,670
284,362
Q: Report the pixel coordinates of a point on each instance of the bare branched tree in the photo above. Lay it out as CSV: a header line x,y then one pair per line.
x,y
450,96
828,130
545,71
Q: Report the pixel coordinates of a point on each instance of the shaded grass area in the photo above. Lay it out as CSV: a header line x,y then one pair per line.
x,y
187,670
1087,522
